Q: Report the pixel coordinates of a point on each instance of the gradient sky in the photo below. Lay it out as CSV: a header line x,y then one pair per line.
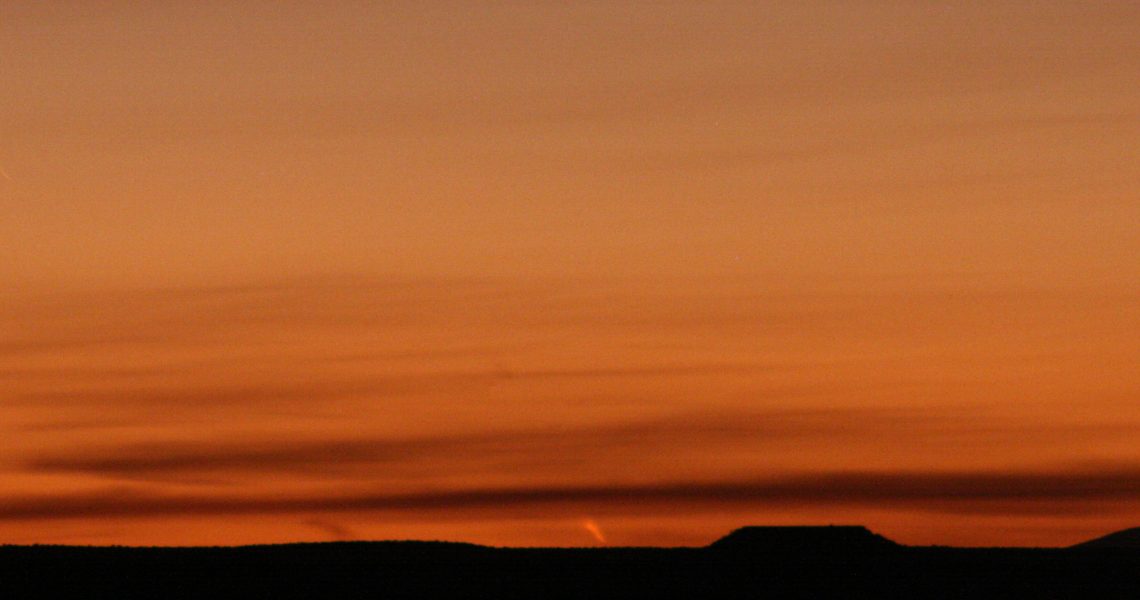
x,y
532,273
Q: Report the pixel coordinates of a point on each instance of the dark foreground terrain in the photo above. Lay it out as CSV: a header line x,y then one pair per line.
x,y
777,562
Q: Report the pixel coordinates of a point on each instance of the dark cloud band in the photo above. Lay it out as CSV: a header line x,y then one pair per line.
x,y
949,492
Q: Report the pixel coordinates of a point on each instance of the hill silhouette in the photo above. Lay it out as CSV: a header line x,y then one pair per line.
x,y
830,539
778,562
1128,539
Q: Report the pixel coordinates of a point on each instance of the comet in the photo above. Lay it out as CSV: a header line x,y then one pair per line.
x,y
592,526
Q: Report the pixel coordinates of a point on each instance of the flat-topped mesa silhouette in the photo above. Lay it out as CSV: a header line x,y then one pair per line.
x,y
799,539
1128,539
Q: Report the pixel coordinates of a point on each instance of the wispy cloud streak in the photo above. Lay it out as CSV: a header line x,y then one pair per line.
x,y
583,443
950,492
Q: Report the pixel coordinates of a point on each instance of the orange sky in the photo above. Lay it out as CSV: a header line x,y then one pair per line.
x,y
539,273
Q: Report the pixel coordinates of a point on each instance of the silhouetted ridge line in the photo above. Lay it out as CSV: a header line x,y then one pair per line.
x,y
820,563
1128,539
829,539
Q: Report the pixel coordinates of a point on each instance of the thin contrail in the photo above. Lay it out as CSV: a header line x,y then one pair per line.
x,y
5,174
592,527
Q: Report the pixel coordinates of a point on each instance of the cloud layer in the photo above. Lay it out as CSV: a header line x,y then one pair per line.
x,y
938,492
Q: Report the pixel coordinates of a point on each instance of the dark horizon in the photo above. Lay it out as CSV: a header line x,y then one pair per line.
x,y
798,535
811,562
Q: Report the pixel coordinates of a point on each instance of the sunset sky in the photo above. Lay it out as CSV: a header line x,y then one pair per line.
x,y
568,273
